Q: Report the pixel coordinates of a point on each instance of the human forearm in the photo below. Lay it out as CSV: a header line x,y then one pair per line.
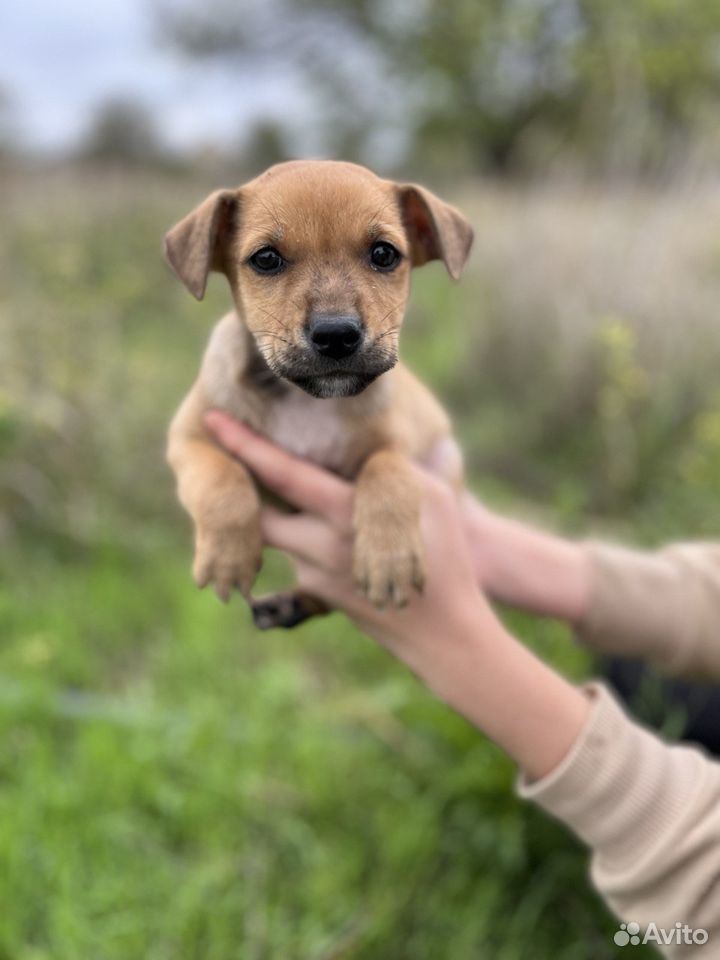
x,y
650,813
661,606
532,713
526,567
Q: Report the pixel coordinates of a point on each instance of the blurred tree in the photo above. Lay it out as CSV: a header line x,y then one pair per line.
x,y
265,145
123,131
646,79
323,48
483,82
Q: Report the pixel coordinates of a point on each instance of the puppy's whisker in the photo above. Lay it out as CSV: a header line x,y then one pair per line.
x,y
272,215
275,336
386,333
268,356
284,325
395,306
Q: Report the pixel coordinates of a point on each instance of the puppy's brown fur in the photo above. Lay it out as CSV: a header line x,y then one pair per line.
x,y
364,417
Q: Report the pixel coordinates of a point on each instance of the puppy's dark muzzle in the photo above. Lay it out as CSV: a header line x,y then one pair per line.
x,y
337,358
334,337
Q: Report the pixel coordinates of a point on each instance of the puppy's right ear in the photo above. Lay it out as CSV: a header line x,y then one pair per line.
x,y
197,244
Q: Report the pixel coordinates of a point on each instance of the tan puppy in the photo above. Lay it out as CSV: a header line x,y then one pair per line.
x,y
318,257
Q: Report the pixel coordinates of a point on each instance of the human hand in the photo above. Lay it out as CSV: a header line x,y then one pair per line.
x,y
318,540
449,636
526,567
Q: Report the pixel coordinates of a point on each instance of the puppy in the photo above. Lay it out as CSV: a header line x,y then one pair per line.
x,y
318,257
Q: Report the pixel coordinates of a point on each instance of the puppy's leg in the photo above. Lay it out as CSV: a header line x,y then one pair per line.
x,y
285,610
387,552
221,498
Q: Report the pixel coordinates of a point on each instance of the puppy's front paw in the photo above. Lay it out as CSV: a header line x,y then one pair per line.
x,y
228,555
388,563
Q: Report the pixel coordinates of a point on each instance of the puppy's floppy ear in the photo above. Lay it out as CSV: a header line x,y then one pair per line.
x,y
436,230
196,245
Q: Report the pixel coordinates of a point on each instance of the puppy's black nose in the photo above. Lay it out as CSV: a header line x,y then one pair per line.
x,y
335,337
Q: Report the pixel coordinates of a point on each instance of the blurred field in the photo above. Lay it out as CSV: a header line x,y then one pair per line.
x,y
175,785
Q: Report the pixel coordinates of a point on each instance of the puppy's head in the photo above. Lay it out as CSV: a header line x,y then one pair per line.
x,y
318,255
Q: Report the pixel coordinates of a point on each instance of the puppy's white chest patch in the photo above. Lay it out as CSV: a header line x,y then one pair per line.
x,y
310,428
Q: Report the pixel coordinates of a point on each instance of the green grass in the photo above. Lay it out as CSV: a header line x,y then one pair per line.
x,y
174,784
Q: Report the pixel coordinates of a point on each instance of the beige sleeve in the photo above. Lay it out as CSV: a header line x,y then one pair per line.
x,y
650,813
663,607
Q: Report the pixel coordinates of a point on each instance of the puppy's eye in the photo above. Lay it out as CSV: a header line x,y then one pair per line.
x,y
384,256
267,261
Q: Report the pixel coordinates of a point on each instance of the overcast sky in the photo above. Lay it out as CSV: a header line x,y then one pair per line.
x,y
59,58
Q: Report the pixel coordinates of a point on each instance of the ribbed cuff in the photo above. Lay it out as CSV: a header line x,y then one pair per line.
x,y
638,607
621,788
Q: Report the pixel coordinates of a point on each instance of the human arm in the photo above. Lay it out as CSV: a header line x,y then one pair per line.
x,y
449,636
661,606
649,811
526,567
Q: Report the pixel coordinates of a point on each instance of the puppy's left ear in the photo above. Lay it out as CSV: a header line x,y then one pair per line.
x,y
435,229
197,244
